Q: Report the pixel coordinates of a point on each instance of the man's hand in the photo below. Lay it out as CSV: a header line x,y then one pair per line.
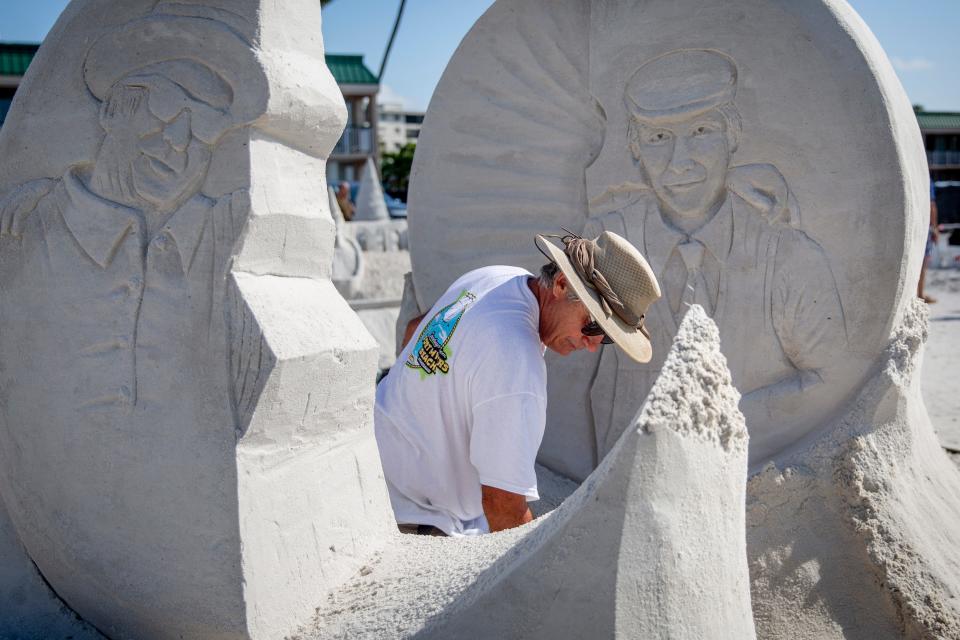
x,y
504,510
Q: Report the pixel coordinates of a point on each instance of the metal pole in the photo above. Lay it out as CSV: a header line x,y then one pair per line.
x,y
393,34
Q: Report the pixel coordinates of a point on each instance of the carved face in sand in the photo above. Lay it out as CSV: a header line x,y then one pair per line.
x,y
158,140
686,161
683,129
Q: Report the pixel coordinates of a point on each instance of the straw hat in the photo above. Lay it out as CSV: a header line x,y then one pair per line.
x,y
614,282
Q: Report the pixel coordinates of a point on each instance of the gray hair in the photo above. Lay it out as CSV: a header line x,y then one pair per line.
x,y
548,277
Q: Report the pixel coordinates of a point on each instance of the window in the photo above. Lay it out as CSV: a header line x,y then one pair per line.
x,y
4,107
6,97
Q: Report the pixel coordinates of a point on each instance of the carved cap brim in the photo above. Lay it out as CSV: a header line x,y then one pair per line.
x,y
165,38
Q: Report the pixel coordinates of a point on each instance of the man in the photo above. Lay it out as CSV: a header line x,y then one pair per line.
x,y
933,234
460,417
722,237
343,199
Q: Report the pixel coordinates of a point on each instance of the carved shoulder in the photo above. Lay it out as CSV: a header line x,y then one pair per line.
x,y
764,188
20,202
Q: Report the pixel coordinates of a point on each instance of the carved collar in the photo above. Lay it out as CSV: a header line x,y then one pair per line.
x,y
660,239
100,225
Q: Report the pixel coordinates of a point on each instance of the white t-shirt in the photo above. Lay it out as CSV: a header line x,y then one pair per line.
x,y
465,403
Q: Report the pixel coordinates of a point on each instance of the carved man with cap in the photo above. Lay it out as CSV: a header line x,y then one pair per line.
x,y
722,237
460,417
113,288
128,238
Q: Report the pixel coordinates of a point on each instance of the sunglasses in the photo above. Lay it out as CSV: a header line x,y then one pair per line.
x,y
593,329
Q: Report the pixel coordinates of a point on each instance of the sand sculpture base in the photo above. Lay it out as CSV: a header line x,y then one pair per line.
x,y
858,534
651,545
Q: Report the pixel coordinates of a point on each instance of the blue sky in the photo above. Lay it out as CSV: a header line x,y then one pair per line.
x,y
922,38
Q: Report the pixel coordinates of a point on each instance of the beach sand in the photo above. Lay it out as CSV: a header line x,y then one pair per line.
x,y
940,377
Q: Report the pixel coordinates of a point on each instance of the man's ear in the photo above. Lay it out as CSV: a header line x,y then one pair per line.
x,y
560,284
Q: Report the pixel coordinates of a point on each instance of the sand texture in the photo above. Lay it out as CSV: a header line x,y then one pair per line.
x,y
858,535
940,378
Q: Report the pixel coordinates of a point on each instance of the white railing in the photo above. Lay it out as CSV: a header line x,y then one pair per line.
x,y
355,140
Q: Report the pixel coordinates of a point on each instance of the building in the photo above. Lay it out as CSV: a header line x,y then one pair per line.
x,y
941,138
359,141
14,60
356,81
397,126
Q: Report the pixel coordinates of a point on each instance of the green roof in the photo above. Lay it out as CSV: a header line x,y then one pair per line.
x,y
349,69
346,69
939,119
15,58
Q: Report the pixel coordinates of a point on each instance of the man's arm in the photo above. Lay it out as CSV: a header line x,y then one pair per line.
x,y
933,220
411,327
504,510
808,320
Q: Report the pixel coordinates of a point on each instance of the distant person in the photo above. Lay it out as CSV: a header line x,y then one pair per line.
x,y
932,236
343,199
459,419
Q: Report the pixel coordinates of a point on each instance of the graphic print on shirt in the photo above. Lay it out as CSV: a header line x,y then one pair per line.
x,y
432,353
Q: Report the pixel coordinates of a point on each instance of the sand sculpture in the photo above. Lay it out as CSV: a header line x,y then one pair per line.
x,y
369,276
371,225
218,478
370,204
714,136
347,270
179,376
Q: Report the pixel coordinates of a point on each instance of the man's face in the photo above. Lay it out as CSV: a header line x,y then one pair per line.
x,y
159,160
562,321
686,162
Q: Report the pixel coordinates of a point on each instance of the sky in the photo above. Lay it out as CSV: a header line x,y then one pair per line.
x,y
919,36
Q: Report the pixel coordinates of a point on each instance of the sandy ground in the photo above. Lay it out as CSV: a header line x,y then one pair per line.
x,y
940,377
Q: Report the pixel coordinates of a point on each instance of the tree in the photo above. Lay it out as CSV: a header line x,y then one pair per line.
x,y
395,170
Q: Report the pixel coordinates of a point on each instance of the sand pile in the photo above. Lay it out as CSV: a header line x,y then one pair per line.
x,y
858,534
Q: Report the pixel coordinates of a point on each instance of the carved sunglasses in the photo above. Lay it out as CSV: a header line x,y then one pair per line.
x,y
593,329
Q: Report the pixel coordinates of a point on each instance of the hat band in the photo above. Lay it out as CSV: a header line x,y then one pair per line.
x,y
580,251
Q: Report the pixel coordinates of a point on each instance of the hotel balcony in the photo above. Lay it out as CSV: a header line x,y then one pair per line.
x,y
355,141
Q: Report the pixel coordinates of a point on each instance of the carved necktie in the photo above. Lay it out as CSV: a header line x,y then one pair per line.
x,y
691,276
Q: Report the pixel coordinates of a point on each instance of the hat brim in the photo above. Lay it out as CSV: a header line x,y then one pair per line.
x,y
630,339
